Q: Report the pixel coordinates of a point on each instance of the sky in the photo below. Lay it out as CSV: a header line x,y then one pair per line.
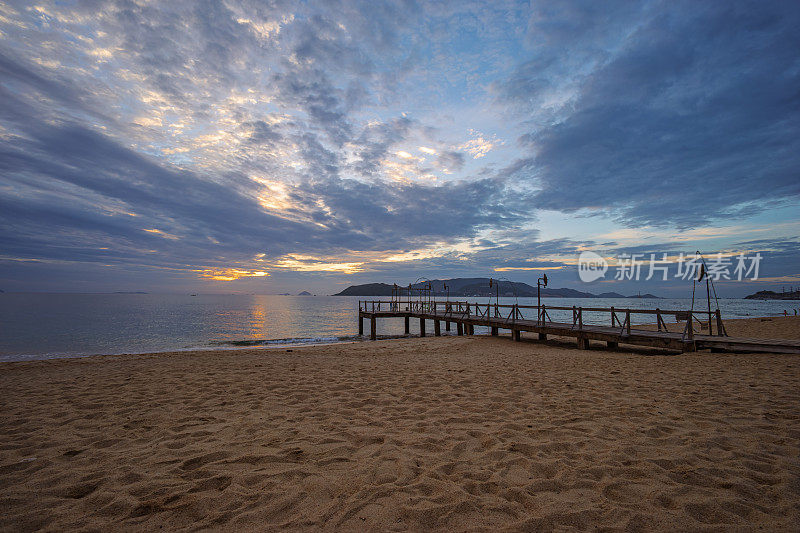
x,y
269,146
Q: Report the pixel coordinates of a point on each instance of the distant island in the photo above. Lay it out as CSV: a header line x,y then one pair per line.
x,y
772,295
611,295
645,296
464,287
130,292
304,293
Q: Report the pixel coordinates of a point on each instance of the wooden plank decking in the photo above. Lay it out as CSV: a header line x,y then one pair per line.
x,y
466,316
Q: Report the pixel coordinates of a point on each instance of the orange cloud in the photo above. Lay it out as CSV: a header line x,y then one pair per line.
x,y
231,274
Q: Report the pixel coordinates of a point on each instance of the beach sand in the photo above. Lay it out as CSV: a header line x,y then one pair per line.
x,y
774,327
450,433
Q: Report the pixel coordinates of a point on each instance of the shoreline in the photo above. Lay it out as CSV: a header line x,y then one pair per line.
x,y
59,357
276,346
753,327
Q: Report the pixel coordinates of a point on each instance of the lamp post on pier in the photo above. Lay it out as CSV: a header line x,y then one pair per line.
x,y
539,284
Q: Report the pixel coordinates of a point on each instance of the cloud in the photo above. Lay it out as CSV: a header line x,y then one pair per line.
x,y
450,160
263,133
17,72
693,117
216,140
374,142
478,146
150,213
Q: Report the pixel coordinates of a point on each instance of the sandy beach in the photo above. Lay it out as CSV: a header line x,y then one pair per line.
x,y
773,327
450,433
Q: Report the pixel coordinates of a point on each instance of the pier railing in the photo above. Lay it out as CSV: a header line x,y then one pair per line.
x,y
618,317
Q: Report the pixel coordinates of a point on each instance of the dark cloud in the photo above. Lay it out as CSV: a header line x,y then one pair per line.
x,y
375,141
107,181
21,79
450,160
312,91
781,245
393,216
696,117
31,77
263,133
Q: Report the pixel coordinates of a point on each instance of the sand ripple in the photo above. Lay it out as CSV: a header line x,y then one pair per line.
x,y
451,434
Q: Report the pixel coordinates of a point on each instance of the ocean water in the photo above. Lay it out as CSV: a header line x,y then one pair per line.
x,y
42,326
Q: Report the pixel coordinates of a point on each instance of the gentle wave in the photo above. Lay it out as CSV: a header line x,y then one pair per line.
x,y
247,343
215,345
294,341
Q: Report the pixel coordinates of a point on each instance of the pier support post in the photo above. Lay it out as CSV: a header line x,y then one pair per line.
x,y
406,320
447,325
459,329
360,326
612,344
471,329
437,328
542,336
494,331
421,327
583,343
372,328
516,335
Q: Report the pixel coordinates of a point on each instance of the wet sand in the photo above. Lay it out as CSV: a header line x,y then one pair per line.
x,y
451,433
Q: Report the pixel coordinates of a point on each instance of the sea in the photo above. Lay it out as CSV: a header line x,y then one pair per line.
x,y
46,326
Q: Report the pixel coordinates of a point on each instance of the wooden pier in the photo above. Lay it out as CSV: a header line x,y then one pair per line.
x,y
536,319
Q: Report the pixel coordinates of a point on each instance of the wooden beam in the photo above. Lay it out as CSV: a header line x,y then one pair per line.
x,y
421,327
623,330
437,328
406,321
516,335
447,325
494,331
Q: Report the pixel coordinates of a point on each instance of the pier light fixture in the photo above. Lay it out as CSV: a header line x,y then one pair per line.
x,y
541,282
